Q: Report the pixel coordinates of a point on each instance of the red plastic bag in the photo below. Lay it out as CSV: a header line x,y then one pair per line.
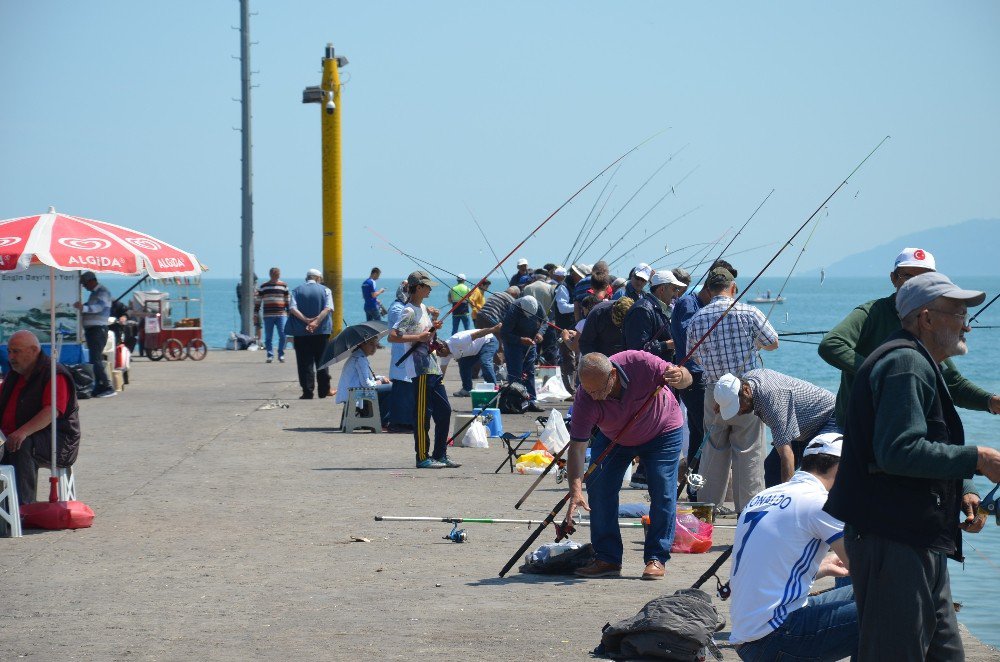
x,y
691,536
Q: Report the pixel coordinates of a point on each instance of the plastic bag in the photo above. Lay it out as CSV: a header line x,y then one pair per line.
x,y
475,436
552,390
555,436
533,462
691,536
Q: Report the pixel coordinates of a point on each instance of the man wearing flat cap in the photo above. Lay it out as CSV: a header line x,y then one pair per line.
x,y
96,312
310,324
905,478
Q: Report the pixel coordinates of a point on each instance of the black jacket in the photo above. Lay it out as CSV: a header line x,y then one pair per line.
x,y
600,333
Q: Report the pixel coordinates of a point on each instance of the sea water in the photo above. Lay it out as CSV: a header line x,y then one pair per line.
x,y
809,306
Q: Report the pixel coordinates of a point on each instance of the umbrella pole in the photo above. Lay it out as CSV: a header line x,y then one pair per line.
x,y
53,478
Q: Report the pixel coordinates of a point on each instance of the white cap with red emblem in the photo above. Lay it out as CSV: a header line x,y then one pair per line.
x,y
915,257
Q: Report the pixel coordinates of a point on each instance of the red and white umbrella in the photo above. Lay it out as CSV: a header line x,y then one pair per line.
x,y
72,243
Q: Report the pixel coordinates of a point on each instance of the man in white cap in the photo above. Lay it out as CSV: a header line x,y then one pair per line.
x,y
310,324
794,410
520,275
906,477
847,345
780,549
638,278
461,314
647,324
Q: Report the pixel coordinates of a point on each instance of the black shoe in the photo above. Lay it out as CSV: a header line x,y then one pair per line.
x,y
306,396
399,429
532,407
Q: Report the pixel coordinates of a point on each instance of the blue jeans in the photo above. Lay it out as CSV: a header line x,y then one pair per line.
x,y
660,456
520,364
270,324
97,338
460,320
825,629
485,360
373,315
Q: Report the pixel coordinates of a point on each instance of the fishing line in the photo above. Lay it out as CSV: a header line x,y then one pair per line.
x,y
488,244
673,253
729,256
648,212
694,288
650,236
983,309
577,257
591,213
637,191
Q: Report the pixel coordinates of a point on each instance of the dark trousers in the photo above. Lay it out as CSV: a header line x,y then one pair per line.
x,y
25,470
772,463
521,364
694,399
550,346
431,402
567,366
903,593
401,402
308,357
97,337
373,315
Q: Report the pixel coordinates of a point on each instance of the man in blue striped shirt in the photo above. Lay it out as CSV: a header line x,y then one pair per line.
x,y
96,312
780,548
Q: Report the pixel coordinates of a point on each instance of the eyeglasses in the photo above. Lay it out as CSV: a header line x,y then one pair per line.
x,y
964,316
605,390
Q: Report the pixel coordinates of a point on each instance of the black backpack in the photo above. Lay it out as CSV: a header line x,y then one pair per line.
x,y
671,627
514,399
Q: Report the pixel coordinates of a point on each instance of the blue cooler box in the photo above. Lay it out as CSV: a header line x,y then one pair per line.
x,y
492,420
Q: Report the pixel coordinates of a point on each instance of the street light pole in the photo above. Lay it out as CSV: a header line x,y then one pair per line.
x,y
246,280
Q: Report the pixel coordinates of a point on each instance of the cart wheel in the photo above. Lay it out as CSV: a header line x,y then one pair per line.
x,y
197,349
173,349
154,353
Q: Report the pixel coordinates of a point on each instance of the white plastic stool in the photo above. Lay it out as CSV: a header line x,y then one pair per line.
x,y
352,418
67,482
10,509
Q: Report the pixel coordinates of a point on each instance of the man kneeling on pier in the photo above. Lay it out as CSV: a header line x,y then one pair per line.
x,y
612,397
781,546
26,414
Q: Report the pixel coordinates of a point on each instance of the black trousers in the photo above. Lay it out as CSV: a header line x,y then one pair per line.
x,y
431,403
97,337
308,357
903,593
25,470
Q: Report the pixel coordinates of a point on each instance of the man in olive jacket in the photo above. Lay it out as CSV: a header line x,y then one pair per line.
x,y
26,414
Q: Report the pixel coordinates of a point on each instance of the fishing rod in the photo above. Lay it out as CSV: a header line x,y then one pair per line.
x,y
649,211
982,310
650,236
802,333
629,522
542,224
698,257
732,255
487,241
545,472
673,252
614,442
637,191
803,342
738,233
591,213
140,282
594,224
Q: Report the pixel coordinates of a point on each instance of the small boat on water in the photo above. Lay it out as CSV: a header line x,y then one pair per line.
x,y
767,298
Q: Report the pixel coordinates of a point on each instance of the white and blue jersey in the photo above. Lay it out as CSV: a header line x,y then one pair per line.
x,y
781,537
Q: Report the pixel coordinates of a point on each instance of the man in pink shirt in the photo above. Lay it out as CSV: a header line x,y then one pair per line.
x,y
613,391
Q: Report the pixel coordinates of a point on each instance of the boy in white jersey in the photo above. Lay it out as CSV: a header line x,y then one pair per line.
x,y
782,541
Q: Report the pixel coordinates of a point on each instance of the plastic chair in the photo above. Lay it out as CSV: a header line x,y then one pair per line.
x,y
361,411
67,482
10,508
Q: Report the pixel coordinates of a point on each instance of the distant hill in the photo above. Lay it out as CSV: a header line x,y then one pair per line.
x,y
966,249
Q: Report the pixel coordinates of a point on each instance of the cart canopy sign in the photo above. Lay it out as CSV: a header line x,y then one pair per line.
x,y
24,303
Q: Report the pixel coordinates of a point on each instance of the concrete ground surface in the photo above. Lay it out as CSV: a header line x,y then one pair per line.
x,y
224,530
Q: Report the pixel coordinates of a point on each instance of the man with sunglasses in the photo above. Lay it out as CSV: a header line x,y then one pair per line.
x,y
612,395
905,478
849,343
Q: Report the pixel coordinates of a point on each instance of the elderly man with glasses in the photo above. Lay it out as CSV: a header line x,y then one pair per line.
x,y
849,343
613,397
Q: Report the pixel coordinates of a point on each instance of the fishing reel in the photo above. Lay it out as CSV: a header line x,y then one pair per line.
x,y
456,534
695,481
436,345
722,590
564,530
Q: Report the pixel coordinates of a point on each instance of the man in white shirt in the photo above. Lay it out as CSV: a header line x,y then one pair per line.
x,y
468,347
782,541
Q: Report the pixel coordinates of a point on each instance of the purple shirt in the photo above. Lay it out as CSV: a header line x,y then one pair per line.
x,y
640,374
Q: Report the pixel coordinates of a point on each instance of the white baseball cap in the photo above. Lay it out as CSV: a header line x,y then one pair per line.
x,y
522,262
559,271
915,257
828,443
643,271
727,395
665,277
461,277
315,273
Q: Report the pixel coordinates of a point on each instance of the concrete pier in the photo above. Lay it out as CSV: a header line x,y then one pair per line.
x,y
224,531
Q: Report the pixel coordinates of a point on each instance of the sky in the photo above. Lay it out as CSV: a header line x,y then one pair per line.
x,y
125,112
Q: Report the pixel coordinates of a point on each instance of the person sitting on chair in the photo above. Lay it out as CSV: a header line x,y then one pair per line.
x,y
26,413
358,373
